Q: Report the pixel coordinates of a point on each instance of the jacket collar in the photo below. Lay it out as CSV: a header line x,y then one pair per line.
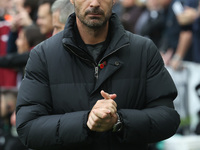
x,y
118,39
118,36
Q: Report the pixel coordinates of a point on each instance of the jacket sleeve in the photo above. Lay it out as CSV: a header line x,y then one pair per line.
x,y
158,120
14,60
36,126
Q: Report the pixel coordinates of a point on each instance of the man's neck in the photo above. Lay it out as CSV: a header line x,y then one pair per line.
x,y
92,36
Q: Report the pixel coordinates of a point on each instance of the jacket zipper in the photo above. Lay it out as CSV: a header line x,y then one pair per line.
x,y
96,68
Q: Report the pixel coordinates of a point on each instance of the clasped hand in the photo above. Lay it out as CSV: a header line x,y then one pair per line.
x,y
103,114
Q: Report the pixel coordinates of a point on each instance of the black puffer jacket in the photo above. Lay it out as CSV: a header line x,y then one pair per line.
x,y
62,84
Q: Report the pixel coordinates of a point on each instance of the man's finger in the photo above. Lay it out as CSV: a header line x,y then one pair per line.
x,y
94,117
113,96
105,95
102,114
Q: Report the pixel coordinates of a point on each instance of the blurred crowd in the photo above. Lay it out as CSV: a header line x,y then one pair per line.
x,y
23,25
173,25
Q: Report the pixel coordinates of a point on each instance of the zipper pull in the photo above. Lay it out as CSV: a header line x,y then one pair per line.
x,y
96,72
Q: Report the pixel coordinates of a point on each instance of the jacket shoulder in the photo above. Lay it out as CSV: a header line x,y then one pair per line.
x,y
140,44
50,46
52,42
138,39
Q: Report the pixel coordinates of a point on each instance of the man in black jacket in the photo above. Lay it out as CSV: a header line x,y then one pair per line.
x,y
95,86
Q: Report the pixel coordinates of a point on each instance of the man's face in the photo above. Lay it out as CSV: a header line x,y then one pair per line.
x,y
44,20
22,43
3,110
57,25
7,105
93,13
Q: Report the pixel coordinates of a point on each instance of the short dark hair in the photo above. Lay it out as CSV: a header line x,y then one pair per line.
x,y
33,5
12,90
46,1
33,35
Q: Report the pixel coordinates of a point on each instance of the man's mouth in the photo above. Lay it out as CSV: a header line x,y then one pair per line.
x,y
94,12
94,15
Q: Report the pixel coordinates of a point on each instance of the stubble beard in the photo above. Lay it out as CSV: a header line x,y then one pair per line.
x,y
93,22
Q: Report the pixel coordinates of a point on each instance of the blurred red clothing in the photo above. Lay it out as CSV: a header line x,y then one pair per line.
x,y
7,76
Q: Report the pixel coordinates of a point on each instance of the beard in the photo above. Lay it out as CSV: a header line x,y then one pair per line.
x,y
93,22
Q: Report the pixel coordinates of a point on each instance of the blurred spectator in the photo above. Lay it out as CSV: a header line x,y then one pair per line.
x,y
2,9
20,17
130,13
197,88
31,36
141,2
197,129
44,19
20,14
28,37
190,12
196,31
9,141
177,38
18,60
32,8
61,9
151,22
7,76
184,50
8,102
196,56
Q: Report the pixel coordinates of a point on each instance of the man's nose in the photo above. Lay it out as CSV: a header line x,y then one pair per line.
x,y
95,3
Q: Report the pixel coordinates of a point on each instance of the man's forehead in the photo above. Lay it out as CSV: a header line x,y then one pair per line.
x,y
44,9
